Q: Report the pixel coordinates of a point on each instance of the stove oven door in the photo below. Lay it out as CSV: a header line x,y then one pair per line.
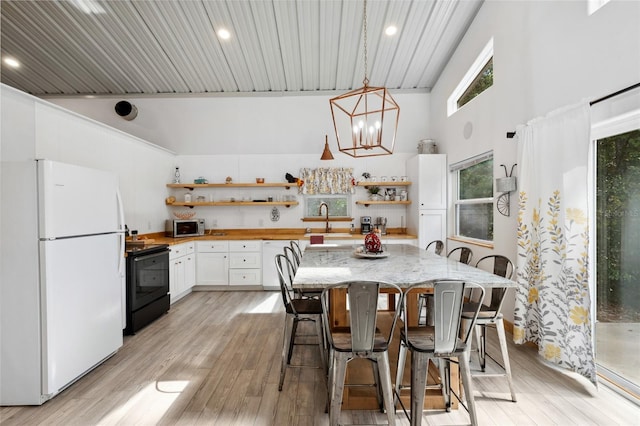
x,y
148,279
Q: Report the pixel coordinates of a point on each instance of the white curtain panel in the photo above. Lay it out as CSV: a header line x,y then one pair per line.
x,y
553,299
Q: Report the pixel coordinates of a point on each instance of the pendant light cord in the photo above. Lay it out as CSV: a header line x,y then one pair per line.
x,y
364,29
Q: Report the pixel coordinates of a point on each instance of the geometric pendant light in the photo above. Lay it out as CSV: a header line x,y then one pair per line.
x,y
365,119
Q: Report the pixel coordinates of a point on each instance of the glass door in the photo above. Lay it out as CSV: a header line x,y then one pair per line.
x,y
618,259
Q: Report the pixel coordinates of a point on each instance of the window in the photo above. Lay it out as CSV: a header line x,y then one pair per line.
x,y
477,79
478,85
616,186
338,205
473,197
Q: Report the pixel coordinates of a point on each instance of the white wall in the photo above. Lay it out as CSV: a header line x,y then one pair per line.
x,y
260,136
32,129
241,125
546,55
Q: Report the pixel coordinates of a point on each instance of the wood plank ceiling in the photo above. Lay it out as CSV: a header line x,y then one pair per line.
x,y
98,47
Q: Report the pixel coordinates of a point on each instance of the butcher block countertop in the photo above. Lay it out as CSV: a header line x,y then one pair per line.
x,y
267,234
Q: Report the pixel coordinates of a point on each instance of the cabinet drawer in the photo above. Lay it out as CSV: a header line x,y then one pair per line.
x,y
245,277
245,260
253,245
180,250
212,246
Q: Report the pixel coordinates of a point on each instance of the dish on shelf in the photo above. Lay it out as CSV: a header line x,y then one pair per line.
x,y
366,255
184,215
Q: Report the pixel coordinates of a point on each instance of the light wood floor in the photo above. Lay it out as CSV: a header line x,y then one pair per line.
x,y
214,360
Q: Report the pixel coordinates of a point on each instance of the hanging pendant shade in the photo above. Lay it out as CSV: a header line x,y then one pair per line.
x,y
326,154
365,119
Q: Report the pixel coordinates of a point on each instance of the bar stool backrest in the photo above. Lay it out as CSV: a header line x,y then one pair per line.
x,y
294,261
503,267
363,299
447,307
363,308
465,254
448,302
437,245
296,248
283,266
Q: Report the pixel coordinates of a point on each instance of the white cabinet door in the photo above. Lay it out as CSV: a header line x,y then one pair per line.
x,y
189,271
432,183
270,249
176,278
432,227
212,268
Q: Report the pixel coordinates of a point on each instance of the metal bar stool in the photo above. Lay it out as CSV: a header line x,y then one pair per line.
x,y
296,310
490,316
362,339
439,343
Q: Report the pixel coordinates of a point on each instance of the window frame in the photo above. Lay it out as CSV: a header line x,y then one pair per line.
x,y
455,170
476,68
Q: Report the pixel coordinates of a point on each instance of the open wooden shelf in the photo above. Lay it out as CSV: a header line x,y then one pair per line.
x,y
385,183
235,203
366,203
286,185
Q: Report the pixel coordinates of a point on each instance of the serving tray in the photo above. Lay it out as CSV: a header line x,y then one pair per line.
x,y
363,255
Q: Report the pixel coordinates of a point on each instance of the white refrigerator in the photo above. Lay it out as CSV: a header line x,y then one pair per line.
x,y
61,294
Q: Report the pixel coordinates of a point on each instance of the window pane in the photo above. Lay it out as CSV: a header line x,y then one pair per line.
x,y
338,205
482,82
476,221
617,254
477,181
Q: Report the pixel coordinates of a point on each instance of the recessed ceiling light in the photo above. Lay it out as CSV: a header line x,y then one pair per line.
x,y
88,6
224,34
12,62
391,30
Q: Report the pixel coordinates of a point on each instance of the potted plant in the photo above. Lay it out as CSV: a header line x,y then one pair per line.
x,y
374,193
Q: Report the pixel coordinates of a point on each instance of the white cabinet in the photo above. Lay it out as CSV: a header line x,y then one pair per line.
x,y
270,249
433,226
212,266
427,216
182,270
245,263
428,172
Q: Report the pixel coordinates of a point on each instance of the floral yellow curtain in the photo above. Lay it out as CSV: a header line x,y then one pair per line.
x,y
553,306
331,180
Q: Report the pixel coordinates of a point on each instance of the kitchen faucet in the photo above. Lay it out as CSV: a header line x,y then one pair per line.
x,y
326,225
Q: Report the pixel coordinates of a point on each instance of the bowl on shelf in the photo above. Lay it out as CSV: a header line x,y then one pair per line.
x,y
259,180
184,215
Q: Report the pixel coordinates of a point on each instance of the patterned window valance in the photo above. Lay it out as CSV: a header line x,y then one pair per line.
x,y
336,180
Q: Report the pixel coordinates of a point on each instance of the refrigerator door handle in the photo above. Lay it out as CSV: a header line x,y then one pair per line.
x,y
121,228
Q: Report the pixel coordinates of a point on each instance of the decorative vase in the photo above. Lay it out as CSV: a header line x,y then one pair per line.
x,y
372,243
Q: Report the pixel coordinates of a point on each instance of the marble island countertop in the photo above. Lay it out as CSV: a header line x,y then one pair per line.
x,y
406,264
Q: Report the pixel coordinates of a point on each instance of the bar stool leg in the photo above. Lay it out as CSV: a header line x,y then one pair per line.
x,y
505,355
419,366
286,347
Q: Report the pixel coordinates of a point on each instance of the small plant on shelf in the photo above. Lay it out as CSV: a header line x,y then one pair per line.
x,y
374,193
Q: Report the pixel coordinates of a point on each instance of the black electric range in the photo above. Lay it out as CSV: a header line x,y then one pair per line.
x,y
147,284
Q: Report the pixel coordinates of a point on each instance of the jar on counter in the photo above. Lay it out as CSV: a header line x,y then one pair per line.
x,y
187,198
